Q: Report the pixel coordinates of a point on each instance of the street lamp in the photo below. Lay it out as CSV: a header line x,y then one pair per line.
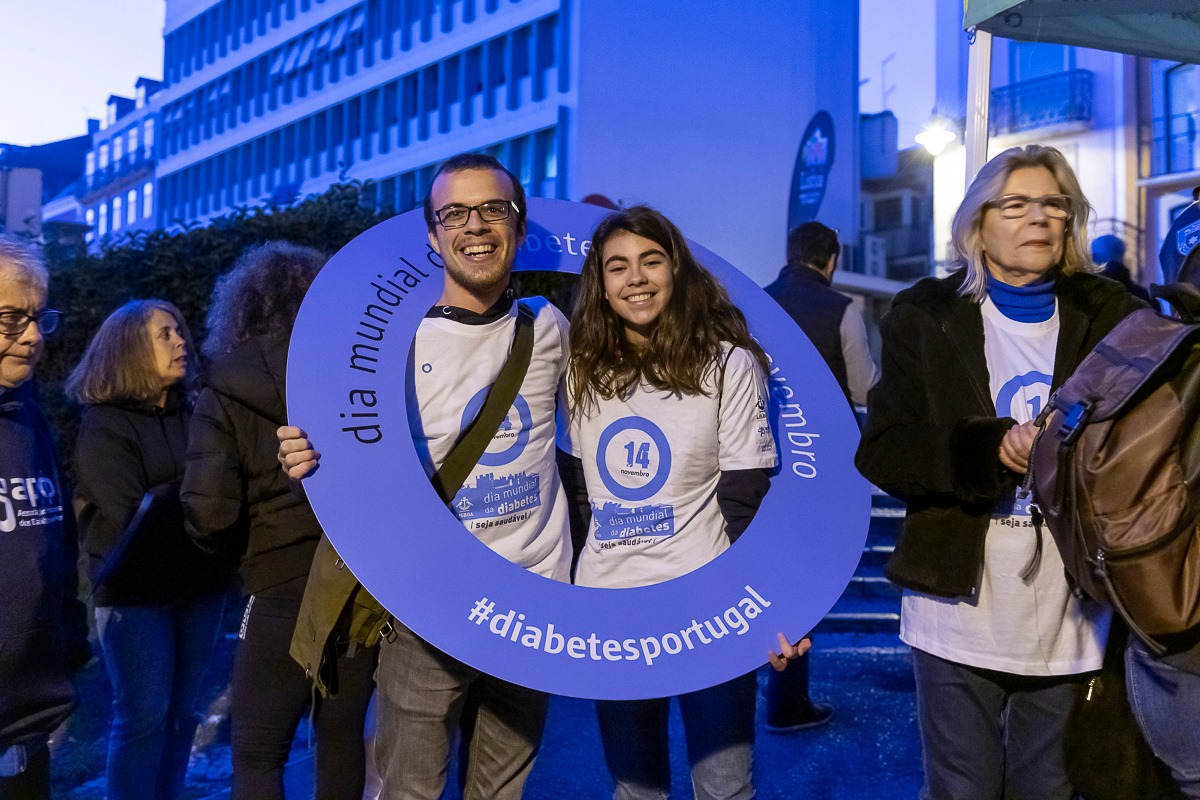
x,y
936,136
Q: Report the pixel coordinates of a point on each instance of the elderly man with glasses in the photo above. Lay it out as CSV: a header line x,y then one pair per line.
x,y
43,628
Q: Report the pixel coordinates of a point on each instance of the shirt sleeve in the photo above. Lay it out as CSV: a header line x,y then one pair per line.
x,y
564,433
110,475
860,367
213,494
739,494
743,431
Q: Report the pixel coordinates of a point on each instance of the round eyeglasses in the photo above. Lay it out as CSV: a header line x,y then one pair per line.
x,y
1015,206
491,211
14,323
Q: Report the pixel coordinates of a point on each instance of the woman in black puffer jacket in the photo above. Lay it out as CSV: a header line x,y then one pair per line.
x,y
158,598
237,500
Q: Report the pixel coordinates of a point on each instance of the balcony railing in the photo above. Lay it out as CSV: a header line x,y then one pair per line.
x,y
1176,144
128,165
907,241
1039,103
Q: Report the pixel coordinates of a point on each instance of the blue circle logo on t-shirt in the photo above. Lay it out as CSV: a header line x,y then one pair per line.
x,y
509,442
634,459
1023,396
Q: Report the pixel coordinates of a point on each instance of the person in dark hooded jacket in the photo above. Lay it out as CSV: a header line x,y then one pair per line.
x,y
43,626
237,501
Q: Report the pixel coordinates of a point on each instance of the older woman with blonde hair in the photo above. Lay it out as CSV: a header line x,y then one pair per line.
x,y
158,597
999,640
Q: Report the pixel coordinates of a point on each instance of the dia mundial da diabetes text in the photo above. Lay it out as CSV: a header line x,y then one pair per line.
x,y
516,628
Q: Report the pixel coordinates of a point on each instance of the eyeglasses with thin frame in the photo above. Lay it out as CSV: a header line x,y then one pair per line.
x,y
14,323
491,211
1015,206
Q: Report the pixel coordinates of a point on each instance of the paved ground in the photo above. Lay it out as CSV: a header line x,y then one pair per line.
x,y
869,749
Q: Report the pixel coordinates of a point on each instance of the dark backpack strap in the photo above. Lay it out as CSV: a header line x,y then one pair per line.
x,y
1184,298
474,439
158,501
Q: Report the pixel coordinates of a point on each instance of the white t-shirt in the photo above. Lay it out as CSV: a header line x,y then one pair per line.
x,y
652,462
1038,628
512,500
861,373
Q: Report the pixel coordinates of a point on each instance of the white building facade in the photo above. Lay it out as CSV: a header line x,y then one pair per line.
x,y
1168,146
117,194
272,99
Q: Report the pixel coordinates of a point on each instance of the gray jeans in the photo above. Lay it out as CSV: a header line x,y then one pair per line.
x,y
422,694
988,735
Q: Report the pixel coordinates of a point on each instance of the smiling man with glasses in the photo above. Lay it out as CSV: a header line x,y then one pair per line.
x,y
43,633
475,216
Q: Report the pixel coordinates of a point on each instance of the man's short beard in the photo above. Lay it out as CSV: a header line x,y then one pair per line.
x,y
475,282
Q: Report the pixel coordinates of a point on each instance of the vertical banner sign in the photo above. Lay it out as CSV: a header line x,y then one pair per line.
x,y
811,175
348,366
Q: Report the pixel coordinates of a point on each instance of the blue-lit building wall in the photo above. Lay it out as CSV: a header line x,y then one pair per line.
x,y
117,191
687,109
263,95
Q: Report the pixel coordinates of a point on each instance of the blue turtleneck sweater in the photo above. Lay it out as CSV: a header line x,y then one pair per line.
x,y
1031,303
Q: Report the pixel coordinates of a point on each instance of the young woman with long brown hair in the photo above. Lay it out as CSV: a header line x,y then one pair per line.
x,y
668,398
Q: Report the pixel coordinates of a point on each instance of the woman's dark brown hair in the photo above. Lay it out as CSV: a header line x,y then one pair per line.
x,y
686,340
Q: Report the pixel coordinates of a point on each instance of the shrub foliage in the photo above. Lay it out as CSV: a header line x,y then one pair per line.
x,y
182,267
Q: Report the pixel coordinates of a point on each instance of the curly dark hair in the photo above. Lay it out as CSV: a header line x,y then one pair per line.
x,y
687,336
261,295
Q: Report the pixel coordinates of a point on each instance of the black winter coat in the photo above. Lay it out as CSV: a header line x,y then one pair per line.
x,y
236,498
43,626
123,452
932,437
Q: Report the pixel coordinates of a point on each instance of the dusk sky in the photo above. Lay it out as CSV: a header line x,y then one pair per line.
x,y
904,30
62,59
68,56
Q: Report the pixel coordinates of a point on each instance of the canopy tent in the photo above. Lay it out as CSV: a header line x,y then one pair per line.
x,y
1168,29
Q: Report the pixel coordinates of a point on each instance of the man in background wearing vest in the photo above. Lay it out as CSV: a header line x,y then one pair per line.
x,y
828,318
835,326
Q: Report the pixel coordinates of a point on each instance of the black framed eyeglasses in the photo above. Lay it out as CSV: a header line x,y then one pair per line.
x,y
14,323
1015,206
491,211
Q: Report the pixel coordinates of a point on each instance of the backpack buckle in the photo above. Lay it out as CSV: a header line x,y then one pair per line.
x,y
1073,421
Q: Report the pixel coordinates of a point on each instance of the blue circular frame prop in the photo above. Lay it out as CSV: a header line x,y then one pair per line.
x,y
346,388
